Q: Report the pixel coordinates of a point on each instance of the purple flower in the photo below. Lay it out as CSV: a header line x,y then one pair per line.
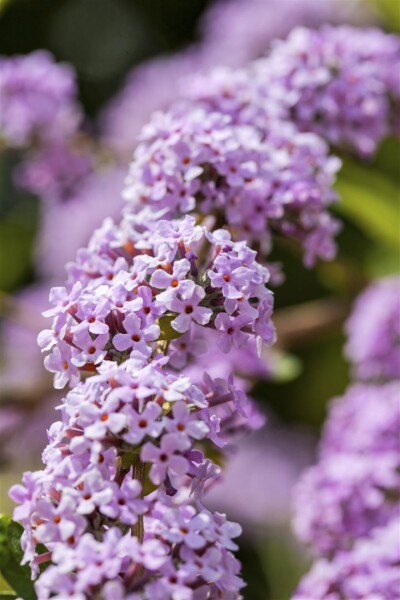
x,y
136,337
365,419
61,363
373,331
188,309
338,82
231,327
92,316
176,280
166,459
92,348
369,570
181,421
38,99
344,497
100,419
141,425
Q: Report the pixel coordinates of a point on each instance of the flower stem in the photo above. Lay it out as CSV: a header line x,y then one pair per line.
x,y
139,473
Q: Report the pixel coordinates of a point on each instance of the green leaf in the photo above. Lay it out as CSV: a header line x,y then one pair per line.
x,y
7,596
285,367
167,332
389,12
371,200
17,576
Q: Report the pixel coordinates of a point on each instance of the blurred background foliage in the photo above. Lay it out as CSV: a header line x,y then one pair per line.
x,y
103,40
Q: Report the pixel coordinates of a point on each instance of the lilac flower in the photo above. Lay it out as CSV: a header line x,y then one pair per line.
x,y
338,82
232,330
92,316
369,570
344,497
119,269
38,99
92,349
144,424
55,173
60,363
136,336
90,454
182,422
176,280
188,309
373,331
93,493
99,420
165,459
187,528
365,420
286,174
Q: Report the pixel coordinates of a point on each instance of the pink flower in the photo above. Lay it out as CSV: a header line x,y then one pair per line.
x,y
188,310
165,459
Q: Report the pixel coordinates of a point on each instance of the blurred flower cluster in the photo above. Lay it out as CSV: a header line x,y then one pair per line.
x,y
347,507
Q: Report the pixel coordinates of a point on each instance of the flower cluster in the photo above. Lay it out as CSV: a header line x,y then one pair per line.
x,y
340,83
89,503
370,570
119,505
355,486
257,184
37,100
373,332
347,506
365,419
56,172
143,286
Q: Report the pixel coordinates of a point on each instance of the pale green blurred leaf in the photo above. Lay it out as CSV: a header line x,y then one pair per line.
x,y
285,366
371,201
389,11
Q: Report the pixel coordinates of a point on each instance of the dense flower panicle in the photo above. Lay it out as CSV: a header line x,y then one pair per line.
x,y
37,100
369,570
365,420
90,490
212,181
341,83
244,95
150,285
373,331
356,485
344,497
256,182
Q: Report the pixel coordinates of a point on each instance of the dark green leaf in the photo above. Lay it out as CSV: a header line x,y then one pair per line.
x,y
167,332
17,576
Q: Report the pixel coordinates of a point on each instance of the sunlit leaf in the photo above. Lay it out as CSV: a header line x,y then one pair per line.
x,y
167,332
371,201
